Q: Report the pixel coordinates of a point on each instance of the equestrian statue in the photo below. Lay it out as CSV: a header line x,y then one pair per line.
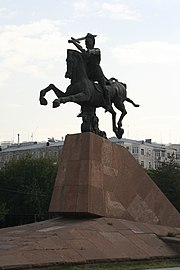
x,y
90,88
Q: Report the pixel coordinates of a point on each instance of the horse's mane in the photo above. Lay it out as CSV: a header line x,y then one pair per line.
x,y
80,59
78,55
74,52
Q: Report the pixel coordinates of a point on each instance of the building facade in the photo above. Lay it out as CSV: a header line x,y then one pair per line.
x,y
34,149
176,148
148,154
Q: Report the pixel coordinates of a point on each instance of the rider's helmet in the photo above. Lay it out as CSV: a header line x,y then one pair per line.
x,y
90,36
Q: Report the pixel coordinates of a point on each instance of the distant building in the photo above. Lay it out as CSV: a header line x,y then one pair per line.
x,y
148,154
34,149
5,144
176,148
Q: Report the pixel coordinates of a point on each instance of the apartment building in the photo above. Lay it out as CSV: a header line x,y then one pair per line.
x,y
149,155
176,148
42,149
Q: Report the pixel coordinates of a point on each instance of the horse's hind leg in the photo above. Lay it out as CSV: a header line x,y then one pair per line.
x,y
120,106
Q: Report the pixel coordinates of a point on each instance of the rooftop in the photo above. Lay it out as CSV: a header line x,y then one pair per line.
x,y
31,145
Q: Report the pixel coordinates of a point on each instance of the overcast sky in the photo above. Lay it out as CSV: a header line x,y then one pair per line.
x,y
140,46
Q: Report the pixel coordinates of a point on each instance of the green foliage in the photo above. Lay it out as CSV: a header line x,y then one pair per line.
x,y
129,265
3,211
26,185
167,178
171,234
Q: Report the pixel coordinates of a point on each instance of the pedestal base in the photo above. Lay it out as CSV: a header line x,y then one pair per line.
x,y
98,177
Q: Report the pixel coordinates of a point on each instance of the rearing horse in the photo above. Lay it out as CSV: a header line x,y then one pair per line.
x,y
87,93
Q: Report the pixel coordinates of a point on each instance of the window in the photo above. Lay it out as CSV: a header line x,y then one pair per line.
x,y
142,163
55,154
135,150
38,154
157,153
142,152
156,165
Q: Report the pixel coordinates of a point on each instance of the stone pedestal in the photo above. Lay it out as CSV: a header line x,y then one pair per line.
x,y
98,177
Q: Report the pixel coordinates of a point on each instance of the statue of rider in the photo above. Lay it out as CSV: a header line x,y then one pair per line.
x,y
92,57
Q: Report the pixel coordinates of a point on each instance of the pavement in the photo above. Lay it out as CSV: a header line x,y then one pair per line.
x,y
64,241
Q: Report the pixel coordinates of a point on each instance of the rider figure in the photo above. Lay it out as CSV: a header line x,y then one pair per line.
x,y
92,58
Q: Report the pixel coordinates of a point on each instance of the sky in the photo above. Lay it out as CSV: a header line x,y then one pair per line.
x,y
140,46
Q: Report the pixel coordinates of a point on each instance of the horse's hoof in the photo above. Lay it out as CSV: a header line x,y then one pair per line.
x,y
119,132
56,103
43,101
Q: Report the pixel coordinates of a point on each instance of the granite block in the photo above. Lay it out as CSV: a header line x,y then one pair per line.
x,y
98,177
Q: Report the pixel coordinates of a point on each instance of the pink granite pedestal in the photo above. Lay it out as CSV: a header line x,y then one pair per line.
x,y
98,177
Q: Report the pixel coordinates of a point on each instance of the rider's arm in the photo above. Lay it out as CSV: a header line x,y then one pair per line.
x,y
95,51
78,46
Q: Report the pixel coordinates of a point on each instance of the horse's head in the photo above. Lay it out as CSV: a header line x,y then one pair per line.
x,y
74,62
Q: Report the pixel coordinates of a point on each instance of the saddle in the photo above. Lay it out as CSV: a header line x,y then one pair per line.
x,y
109,82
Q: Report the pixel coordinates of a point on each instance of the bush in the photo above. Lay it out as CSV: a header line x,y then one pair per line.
x,y
167,178
26,186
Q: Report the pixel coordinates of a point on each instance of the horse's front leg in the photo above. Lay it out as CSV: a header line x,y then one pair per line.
x,y
77,98
43,92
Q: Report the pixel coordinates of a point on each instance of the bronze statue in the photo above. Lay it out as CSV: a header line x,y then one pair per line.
x,y
89,89
92,57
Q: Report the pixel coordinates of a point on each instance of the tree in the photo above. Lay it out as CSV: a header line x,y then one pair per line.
x,y
167,178
3,212
26,186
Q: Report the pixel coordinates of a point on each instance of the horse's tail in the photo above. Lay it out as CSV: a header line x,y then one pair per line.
x,y
122,93
126,98
132,102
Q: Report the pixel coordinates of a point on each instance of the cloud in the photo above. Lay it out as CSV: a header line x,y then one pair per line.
x,y
14,106
6,13
3,77
152,52
80,6
112,10
30,48
118,11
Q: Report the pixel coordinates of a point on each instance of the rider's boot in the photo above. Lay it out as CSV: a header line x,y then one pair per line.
x,y
109,107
